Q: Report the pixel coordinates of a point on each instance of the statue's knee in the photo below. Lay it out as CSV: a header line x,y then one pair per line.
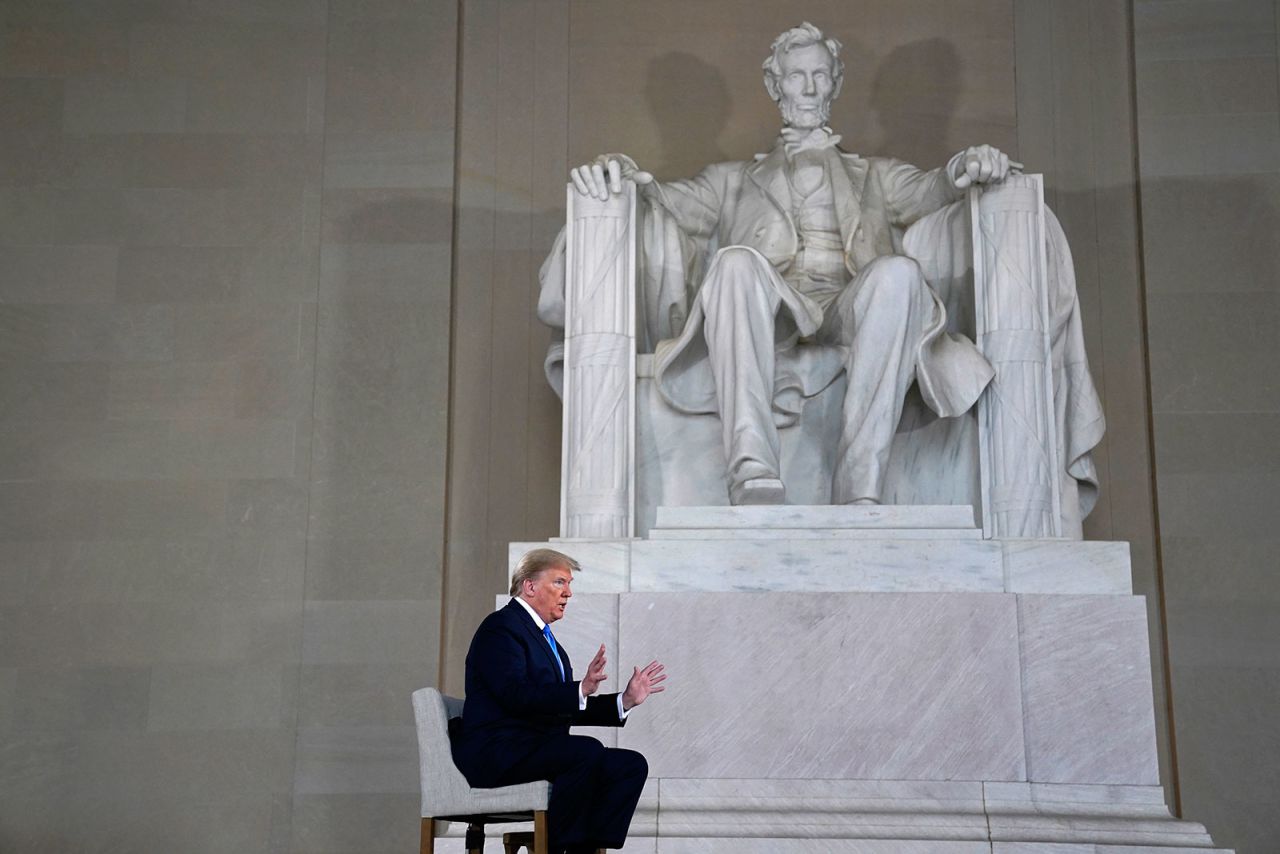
x,y
736,270
894,278
737,259
895,268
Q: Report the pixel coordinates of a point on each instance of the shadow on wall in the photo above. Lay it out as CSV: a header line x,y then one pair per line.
x,y
677,86
914,96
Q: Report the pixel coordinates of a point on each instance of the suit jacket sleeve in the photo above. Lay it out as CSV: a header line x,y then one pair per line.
x,y
695,203
602,710
911,193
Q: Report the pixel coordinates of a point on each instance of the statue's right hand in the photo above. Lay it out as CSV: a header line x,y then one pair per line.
x,y
604,176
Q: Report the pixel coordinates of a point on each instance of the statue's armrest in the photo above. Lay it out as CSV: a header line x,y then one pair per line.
x,y
598,456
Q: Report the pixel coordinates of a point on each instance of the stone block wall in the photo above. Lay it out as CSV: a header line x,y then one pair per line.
x,y
225,233
1209,153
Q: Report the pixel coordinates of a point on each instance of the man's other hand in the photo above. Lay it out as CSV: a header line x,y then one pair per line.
x,y
644,681
595,673
605,174
981,164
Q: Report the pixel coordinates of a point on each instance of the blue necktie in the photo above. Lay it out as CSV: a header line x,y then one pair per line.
x,y
546,632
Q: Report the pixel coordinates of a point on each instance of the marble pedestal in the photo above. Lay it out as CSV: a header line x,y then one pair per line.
x,y
877,679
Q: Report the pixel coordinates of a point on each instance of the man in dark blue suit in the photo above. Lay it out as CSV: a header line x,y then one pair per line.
x,y
522,699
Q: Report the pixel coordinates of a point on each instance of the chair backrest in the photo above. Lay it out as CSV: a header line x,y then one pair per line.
x,y
452,706
443,786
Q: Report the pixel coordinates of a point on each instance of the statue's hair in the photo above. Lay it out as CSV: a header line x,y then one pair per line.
x,y
534,562
801,36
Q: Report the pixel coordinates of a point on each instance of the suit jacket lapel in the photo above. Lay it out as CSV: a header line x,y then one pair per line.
x,y
848,176
539,639
770,175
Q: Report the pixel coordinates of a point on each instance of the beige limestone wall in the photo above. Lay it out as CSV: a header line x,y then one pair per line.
x,y
504,421
1209,145
225,235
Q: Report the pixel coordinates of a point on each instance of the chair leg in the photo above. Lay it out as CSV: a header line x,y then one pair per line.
x,y
428,843
515,840
475,838
539,832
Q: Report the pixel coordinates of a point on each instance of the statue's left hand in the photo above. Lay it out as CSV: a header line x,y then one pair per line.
x,y
980,164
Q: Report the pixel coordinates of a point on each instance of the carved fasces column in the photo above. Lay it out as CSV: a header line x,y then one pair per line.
x,y
1017,429
597,477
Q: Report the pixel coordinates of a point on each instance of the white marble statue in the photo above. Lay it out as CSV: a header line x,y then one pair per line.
x,y
750,261
807,253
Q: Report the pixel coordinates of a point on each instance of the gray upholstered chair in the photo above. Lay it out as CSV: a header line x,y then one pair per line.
x,y
446,795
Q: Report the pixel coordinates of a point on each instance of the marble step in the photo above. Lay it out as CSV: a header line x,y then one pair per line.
x,y
787,517
747,564
815,533
714,816
889,562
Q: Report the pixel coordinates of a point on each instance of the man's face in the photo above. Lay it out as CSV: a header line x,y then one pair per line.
x,y
807,86
548,592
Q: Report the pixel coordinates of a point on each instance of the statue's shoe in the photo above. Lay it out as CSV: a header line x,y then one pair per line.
x,y
758,490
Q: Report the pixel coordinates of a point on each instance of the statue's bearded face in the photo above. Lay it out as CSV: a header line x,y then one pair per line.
x,y
807,86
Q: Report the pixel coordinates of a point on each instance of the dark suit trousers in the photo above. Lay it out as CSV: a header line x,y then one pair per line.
x,y
594,789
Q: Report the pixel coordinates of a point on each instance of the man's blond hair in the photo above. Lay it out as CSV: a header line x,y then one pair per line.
x,y
534,562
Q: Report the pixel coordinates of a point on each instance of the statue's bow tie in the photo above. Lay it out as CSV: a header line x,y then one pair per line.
x,y
795,140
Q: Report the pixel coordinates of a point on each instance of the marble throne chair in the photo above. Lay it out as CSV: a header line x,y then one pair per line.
x,y
1020,458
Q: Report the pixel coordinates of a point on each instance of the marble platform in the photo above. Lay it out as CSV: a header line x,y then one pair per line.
x,y
882,686
940,521
870,680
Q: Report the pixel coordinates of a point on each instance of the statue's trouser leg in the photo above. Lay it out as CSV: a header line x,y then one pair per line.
x,y
740,306
880,318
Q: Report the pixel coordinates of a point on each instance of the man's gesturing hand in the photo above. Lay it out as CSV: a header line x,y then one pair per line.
x,y
595,673
644,681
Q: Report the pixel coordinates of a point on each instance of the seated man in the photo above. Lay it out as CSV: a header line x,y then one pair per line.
x,y
807,249
522,699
